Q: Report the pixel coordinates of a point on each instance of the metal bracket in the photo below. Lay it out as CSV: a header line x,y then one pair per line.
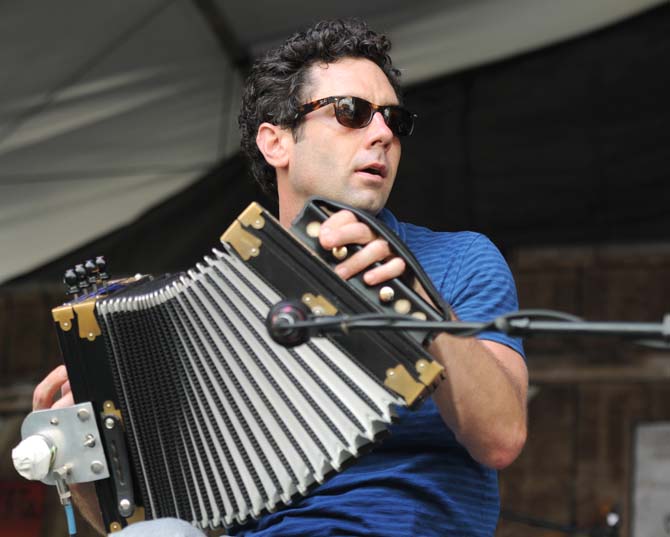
x,y
402,383
74,433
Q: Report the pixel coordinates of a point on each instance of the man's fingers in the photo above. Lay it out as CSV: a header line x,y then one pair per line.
x,y
46,390
393,268
377,250
339,218
353,233
341,229
66,400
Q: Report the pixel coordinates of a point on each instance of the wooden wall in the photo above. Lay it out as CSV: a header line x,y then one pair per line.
x,y
591,392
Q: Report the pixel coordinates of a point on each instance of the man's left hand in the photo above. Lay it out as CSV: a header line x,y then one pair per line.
x,y
343,228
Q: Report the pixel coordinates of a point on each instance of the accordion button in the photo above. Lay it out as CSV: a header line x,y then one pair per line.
x,y
402,306
340,253
386,293
313,229
419,315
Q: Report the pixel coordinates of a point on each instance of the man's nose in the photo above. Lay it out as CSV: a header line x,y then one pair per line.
x,y
379,131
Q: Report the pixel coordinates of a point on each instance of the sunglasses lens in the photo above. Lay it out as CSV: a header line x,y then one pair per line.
x,y
357,113
400,121
353,112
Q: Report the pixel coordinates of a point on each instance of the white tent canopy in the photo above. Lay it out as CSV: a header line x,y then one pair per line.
x,y
108,108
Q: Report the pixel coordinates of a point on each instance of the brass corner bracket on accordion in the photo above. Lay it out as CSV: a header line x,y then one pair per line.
x,y
203,416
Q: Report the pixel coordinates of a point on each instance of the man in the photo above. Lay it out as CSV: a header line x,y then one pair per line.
x,y
322,116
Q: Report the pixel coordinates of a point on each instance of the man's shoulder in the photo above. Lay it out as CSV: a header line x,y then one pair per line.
x,y
462,240
446,247
452,259
469,271
445,252
416,236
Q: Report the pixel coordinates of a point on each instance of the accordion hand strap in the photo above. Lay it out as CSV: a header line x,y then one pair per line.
x,y
397,246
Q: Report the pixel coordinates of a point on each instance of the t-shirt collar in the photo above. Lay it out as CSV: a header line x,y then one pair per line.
x,y
388,218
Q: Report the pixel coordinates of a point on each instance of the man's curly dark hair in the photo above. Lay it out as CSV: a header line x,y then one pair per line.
x,y
275,87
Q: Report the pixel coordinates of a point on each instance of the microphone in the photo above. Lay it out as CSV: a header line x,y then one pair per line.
x,y
281,320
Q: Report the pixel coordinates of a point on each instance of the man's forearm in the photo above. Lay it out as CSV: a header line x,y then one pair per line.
x,y
483,397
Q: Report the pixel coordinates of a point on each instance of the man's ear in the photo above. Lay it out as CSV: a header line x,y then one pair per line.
x,y
274,142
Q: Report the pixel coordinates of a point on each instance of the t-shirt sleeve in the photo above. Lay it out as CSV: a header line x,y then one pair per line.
x,y
484,289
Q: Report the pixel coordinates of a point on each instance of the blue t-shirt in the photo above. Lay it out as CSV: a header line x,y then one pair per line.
x,y
420,481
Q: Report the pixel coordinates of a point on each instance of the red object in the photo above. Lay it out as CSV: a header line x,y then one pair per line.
x,y
21,508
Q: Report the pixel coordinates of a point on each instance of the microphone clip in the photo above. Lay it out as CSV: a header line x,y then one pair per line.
x,y
281,320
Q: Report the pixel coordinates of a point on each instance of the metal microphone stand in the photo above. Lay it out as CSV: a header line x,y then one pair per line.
x,y
301,325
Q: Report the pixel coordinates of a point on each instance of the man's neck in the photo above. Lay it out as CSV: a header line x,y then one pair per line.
x,y
289,207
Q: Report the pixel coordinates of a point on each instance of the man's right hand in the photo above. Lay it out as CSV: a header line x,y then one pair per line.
x,y
46,395
53,384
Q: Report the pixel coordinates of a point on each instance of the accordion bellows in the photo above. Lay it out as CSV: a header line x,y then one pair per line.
x,y
203,415
255,422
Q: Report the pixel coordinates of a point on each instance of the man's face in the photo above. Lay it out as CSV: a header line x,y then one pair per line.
x,y
334,161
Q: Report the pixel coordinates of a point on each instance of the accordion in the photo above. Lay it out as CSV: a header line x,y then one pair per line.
x,y
200,413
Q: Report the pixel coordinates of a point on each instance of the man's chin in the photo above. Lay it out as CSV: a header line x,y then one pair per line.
x,y
366,203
